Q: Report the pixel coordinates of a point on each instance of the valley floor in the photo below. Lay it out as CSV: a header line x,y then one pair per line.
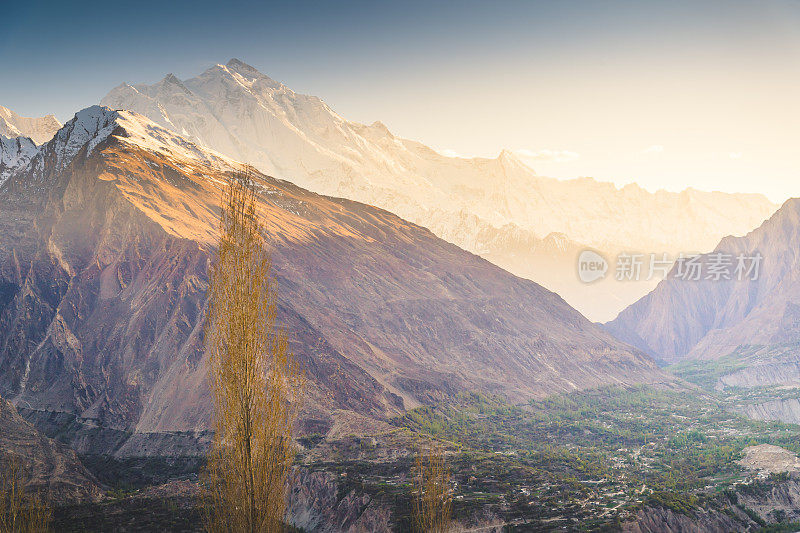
x,y
636,459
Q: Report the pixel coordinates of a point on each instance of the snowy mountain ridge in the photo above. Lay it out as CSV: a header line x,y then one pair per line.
x,y
93,125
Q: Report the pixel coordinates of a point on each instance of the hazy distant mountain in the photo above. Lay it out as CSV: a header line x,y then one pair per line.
x,y
706,319
105,241
40,129
493,207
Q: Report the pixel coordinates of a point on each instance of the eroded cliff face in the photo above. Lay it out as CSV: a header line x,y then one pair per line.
x,y
104,253
785,410
765,369
764,500
660,520
780,502
50,468
316,505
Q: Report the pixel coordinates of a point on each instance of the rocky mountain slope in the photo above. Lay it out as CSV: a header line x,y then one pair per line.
x,y
50,469
497,208
759,319
39,129
105,241
15,152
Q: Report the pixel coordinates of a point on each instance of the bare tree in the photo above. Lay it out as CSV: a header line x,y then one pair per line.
x,y
20,512
255,381
432,502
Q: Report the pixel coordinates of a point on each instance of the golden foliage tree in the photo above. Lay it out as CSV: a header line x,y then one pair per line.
x,y
20,512
255,381
432,502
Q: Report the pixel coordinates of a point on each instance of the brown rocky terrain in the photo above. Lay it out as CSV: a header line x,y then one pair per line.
x,y
770,459
660,520
50,468
757,506
105,242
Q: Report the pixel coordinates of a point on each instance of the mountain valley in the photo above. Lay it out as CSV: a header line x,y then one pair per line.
x,y
479,347
107,235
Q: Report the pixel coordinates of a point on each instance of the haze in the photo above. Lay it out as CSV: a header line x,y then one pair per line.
x,y
688,94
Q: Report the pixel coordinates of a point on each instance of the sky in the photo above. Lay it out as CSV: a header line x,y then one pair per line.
x,y
665,94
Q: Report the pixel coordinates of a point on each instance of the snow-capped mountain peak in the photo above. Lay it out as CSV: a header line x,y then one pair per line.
x,y
170,81
248,74
92,126
241,66
138,130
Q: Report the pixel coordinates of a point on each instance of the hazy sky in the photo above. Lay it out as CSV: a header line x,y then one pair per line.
x,y
667,94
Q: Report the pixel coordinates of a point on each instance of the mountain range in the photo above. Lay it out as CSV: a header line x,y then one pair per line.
x,y
106,234
39,129
708,318
498,208
405,324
